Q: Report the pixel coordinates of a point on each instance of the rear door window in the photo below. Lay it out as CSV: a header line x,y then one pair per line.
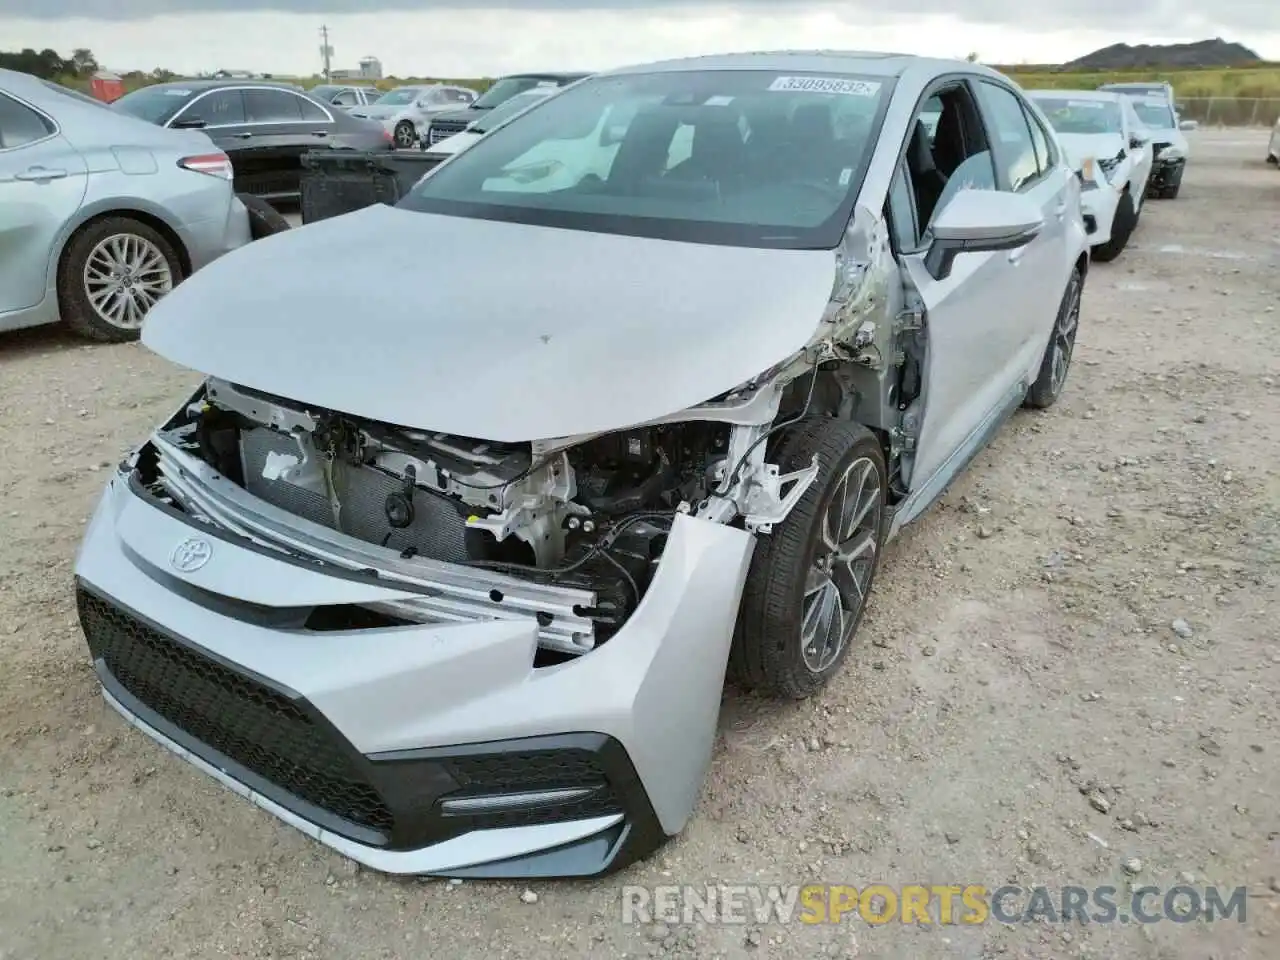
x,y
272,106
20,125
311,112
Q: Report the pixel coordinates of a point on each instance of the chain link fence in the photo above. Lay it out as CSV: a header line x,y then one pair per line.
x,y
1229,111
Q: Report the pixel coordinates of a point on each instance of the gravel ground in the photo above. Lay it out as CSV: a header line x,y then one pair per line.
x,y
1021,707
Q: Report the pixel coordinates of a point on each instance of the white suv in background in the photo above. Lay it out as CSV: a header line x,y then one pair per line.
x,y
1112,151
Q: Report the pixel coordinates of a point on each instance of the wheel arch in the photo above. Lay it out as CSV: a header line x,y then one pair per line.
x,y
130,211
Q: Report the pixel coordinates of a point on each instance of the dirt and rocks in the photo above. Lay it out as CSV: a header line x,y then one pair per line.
x,y
1070,675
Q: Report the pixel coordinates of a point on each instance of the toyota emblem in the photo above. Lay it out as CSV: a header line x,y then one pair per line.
x,y
190,555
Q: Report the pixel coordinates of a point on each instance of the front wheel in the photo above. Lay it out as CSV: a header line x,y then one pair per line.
x,y
809,579
405,135
1062,344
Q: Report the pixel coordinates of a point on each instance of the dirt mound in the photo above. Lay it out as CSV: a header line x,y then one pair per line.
x,y
1203,53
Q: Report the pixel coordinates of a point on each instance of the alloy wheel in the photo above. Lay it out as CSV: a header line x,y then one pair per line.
x,y
404,135
1064,336
839,577
124,276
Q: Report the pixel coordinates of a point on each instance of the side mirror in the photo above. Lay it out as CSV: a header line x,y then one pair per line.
x,y
980,221
1188,125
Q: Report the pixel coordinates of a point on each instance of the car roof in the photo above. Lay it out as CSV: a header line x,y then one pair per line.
x,y
1107,95
550,75
212,83
867,63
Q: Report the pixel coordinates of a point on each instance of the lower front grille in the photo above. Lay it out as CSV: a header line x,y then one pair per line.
x,y
263,730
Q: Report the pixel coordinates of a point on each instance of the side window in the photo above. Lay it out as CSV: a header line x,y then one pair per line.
x,y
902,211
347,98
219,107
271,106
311,112
20,125
1041,143
1015,152
954,155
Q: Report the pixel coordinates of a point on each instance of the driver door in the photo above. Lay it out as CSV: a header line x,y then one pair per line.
x,y
968,370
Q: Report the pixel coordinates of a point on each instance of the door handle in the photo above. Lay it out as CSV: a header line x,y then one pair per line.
x,y
40,173
319,133
242,136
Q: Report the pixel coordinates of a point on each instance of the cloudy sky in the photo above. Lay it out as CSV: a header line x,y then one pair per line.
x,y
463,38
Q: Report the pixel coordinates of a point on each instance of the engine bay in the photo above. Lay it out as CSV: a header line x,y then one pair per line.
x,y
593,515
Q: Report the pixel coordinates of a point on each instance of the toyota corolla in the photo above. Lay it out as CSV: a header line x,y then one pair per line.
x,y
454,591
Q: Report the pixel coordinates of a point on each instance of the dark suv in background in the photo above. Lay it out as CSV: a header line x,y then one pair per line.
x,y
264,127
455,121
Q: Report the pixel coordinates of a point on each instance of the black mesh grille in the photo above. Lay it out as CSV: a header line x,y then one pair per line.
x,y
259,728
443,129
532,770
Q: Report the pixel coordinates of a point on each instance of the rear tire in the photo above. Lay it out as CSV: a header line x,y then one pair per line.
x,y
1122,225
111,273
264,219
800,610
1171,193
1056,364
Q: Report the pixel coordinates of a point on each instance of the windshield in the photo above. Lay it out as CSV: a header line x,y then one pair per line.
x,y
508,108
748,158
1082,116
1155,112
155,104
505,89
400,95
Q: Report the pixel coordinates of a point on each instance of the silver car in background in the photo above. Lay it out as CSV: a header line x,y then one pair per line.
x,y
406,112
103,214
458,595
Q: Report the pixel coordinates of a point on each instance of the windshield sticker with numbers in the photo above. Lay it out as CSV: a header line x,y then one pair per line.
x,y
848,88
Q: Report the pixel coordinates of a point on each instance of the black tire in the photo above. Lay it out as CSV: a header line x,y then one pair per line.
x,y
73,296
264,219
405,135
768,653
1126,219
1048,386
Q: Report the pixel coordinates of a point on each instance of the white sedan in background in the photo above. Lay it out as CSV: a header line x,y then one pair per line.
x,y
1273,147
1111,148
478,128
406,111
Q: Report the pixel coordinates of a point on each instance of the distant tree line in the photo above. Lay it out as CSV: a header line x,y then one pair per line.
x,y
74,70
49,65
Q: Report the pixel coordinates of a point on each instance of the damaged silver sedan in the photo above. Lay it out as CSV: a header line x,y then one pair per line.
x,y
454,590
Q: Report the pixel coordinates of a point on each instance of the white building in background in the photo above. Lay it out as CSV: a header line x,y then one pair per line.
x,y
370,69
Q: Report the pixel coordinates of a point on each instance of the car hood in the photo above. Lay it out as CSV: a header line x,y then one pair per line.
x,y
377,112
454,143
501,331
465,115
1097,145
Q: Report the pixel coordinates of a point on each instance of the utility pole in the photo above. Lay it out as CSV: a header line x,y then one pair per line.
x,y
326,51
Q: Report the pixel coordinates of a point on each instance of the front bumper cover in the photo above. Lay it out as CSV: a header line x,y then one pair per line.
x,y
1166,174
421,748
